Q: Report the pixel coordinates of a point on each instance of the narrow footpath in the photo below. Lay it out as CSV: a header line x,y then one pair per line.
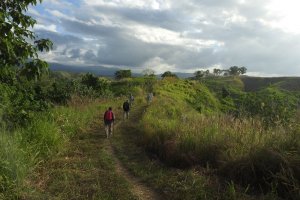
x,y
89,169
139,189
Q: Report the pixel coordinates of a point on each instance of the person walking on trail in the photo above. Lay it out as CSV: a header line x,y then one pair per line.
x,y
131,99
126,108
149,97
109,119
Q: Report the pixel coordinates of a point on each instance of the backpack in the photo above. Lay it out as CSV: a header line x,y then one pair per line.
x,y
126,106
108,115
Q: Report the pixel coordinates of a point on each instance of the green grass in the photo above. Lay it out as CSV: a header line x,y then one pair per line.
x,y
257,83
240,150
183,91
173,184
191,183
215,155
86,170
23,150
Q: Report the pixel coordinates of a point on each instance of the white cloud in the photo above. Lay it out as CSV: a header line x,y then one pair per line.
x,y
51,27
31,11
164,36
58,3
233,18
260,74
286,15
142,4
158,64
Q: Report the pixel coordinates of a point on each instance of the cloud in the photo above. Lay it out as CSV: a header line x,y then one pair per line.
x,y
51,27
172,35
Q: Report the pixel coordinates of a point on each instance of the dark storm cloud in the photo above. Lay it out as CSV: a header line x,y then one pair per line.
x,y
162,18
58,38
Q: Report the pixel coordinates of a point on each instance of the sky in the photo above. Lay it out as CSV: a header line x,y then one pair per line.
x,y
173,35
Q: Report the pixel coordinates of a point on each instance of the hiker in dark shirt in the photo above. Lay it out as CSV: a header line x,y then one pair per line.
x,y
126,108
109,119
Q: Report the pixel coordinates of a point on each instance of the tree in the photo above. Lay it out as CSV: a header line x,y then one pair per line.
x,y
235,70
243,70
122,74
206,73
217,72
199,74
90,81
168,74
149,73
19,46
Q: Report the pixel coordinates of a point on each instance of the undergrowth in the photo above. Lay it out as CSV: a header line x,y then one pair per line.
x,y
264,159
24,149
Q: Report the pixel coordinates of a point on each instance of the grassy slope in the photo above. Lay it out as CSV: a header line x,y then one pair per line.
x,y
256,83
28,153
192,183
172,183
85,171
238,149
177,102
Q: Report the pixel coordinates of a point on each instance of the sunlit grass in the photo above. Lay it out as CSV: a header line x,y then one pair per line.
x,y
24,149
243,149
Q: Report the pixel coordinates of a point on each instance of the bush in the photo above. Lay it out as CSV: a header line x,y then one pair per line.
x,y
60,92
18,104
22,150
275,107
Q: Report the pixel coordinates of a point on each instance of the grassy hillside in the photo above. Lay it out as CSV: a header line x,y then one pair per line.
x,y
245,137
24,149
243,150
257,83
184,92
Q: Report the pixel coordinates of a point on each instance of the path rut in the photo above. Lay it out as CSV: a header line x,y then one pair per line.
x,y
139,189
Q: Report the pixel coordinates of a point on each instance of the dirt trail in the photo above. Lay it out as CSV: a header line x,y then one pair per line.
x,y
84,170
139,189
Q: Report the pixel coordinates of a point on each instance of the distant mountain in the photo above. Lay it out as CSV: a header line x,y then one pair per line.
x,y
100,70
184,75
97,70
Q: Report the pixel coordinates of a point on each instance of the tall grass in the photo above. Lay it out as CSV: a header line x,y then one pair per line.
x,y
242,150
24,149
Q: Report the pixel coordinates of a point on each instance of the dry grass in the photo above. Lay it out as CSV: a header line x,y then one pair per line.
x,y
242,150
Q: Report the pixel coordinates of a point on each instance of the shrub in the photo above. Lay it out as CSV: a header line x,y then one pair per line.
x,y
275,107
23,149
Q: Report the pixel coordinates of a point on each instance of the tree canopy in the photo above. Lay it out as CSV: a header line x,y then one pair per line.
x,y
168,74
148,73
19,46
122,74
235,70
201,73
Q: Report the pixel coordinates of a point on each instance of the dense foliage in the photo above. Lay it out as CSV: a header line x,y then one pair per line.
x,y
168,74
18,43
20,67
122,74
